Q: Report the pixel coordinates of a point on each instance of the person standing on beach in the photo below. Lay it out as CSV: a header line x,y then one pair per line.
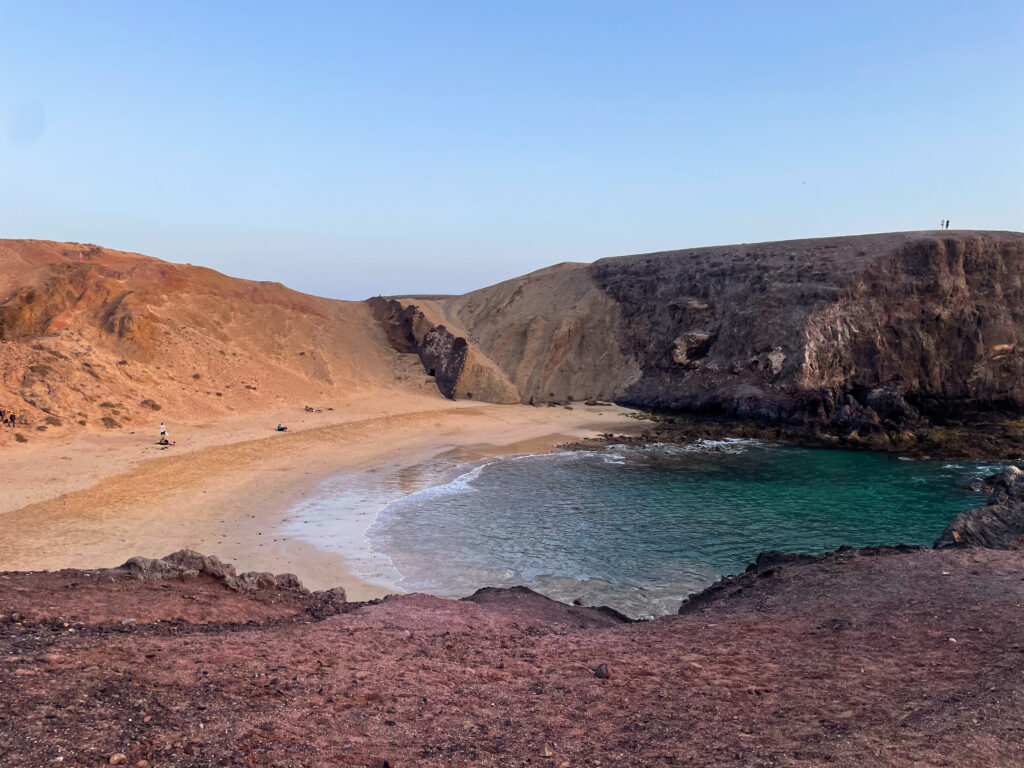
x,y
163,431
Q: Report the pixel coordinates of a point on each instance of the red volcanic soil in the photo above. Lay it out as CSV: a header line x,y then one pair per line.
x,y
854,659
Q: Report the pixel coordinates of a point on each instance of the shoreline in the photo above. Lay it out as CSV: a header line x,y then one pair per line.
x,y
230,495
993,439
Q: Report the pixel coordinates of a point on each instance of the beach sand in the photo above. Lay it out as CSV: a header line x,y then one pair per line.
x,y
224,488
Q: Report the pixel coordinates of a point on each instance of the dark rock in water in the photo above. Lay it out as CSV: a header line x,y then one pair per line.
x,y
997,525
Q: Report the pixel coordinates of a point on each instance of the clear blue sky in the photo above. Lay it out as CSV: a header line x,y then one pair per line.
x,y
350,149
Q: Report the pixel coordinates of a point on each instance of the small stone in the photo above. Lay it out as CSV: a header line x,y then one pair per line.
x,y
15,617
602,672
127,621
50,658
952,639
147,718
547,751
118,759
142,763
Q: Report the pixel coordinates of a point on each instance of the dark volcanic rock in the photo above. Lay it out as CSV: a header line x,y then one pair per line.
x,y
842,330
441,352
997,525
878,336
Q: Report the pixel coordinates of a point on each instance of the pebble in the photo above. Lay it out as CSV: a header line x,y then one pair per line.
x,y
51,658
118,759
602,672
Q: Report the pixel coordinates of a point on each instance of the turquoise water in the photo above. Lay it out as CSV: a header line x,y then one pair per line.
x,y
640,528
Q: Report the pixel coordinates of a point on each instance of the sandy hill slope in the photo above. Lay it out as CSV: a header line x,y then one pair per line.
x,y
845,331
95,338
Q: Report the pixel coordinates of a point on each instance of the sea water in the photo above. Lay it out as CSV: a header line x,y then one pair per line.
x,y
635,528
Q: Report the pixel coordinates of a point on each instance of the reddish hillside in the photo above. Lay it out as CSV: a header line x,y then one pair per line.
x,y
98,338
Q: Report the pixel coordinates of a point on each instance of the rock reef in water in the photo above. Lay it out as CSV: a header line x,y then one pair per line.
x,y
997,525
864,332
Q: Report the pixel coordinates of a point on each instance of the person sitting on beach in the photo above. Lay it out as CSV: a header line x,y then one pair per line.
x,y
309,409
280,428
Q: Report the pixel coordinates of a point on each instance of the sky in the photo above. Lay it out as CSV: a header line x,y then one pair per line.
x,y
354,149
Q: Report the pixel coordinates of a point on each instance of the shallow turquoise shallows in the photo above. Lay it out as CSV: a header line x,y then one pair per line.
x,y
639,529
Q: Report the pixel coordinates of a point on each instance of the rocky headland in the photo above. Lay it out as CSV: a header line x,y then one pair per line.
x,y
904,341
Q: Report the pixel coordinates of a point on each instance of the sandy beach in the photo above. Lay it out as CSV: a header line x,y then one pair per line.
x,y
224,488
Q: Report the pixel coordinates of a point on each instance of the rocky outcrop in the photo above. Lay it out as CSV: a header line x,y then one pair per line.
x,y
997,525
459,370
523,603
768,565
187,563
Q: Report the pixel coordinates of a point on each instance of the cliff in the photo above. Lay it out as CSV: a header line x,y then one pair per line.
x,y
865,332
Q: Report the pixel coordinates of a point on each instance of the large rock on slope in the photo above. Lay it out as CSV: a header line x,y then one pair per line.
x,y
851,331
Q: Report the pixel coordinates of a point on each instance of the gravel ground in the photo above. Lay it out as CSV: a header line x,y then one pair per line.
x,y
873,658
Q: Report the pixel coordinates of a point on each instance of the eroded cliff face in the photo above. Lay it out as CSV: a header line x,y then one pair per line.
x,y
942,317
865,332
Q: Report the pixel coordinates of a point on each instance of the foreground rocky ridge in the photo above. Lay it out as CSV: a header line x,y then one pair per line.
x,y
875,336
861,658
